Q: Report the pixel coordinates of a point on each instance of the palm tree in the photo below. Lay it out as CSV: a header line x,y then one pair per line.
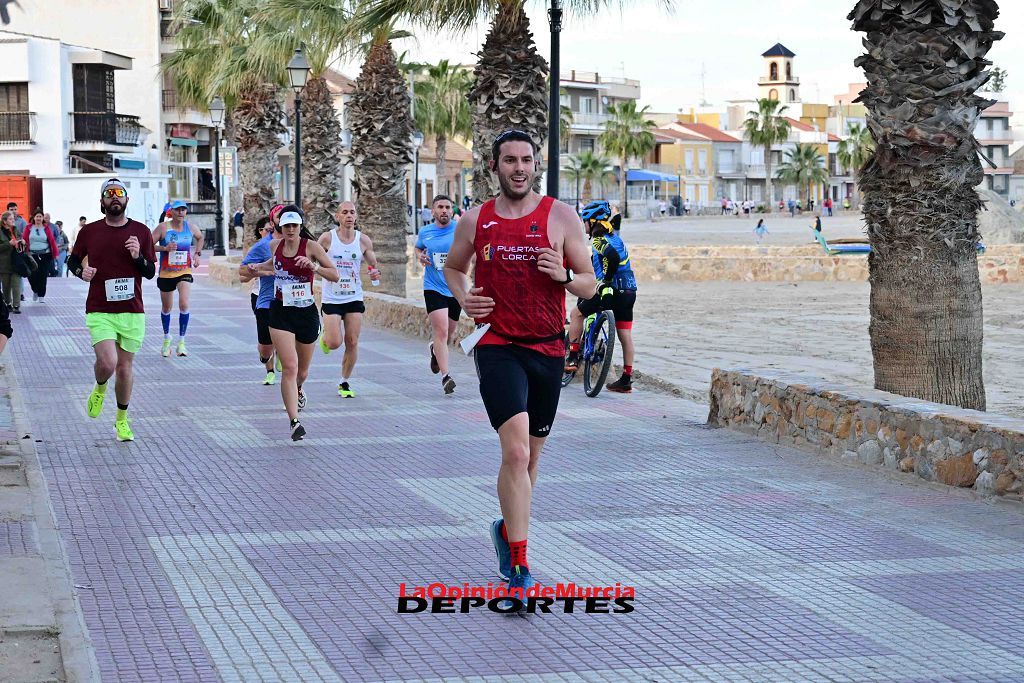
x,y
324,29
766,127
510,77
588,168
215,56
442,110
804,167
627,135
920,202
855,150
381,126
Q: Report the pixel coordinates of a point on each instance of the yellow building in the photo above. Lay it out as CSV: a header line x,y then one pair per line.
x,y
689,157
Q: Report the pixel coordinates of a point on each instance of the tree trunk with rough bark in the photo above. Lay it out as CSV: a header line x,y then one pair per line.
x,y
381,153
321,156
258,125
441,144
509,91
924,65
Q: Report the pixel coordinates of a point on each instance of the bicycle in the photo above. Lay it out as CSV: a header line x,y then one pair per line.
x,y
597,344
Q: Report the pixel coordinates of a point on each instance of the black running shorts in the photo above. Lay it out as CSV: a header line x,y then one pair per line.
x,y
344,309
517,380
436,301
303,322
622,305
169,284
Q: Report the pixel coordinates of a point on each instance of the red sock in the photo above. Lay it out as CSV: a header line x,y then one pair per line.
x,y
574,347
627,370
519,553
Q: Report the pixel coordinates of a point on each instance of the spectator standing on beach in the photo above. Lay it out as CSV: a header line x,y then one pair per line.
x,y
725,205
686,206
791,205
662,208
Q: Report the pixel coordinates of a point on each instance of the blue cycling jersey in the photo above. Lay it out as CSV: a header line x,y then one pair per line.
x,y
623,277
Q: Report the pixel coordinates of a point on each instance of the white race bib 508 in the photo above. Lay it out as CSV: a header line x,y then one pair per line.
x,y
120,289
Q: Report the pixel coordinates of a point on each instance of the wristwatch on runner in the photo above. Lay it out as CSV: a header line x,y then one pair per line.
x,y
568,277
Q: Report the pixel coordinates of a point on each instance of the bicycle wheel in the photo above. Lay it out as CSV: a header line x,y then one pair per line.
x,y
597,364
567,376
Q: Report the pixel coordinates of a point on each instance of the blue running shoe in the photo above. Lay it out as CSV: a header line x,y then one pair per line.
x,y
502,549
521,578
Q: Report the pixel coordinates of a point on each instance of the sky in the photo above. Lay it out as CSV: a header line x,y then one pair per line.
x,y
722,39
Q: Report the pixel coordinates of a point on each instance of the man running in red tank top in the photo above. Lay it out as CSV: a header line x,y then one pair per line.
x,y
529,250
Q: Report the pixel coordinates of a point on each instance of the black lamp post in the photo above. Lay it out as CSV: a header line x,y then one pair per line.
x,y
554,103
217,117
417,142
298,72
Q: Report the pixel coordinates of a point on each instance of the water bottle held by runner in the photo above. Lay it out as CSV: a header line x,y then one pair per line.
x,y
375,281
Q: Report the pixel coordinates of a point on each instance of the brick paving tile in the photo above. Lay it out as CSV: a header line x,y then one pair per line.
x,y
214,549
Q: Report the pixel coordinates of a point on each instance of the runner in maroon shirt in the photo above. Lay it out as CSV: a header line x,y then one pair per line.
x,y
119,253
529,250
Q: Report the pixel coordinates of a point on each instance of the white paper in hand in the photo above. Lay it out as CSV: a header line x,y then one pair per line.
x,y
471,341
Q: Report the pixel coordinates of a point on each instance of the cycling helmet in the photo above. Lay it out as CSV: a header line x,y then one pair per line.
x,y
596,211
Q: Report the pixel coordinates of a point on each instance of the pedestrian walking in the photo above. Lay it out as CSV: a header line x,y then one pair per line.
x,y
686,207
10,280
792,208
662,207
725,205
63,244
43,247
760,231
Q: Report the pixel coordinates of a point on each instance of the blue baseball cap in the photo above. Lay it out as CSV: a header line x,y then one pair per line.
x,y
178,204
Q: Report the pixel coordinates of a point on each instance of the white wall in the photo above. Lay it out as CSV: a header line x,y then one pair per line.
x,y
40,62
129,28
71,196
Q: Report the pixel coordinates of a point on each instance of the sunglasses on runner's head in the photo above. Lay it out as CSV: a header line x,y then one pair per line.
x,y
510,133
114,192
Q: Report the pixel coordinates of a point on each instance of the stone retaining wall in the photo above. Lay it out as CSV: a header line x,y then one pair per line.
x,y
999,264
957,447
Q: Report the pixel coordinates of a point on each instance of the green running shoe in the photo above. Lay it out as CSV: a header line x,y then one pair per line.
x,y
345,391
94,406
182,351
269,379
277,363
166,350
124,431
323,345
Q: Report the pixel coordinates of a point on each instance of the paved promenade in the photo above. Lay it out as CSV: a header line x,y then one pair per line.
x,y
213,548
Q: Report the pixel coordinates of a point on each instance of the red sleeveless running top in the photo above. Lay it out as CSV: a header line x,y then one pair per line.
x,y
285,269
529,307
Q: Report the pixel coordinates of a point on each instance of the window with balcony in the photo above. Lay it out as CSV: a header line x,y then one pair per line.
x,y
587,105
586,144
688,156
16,121
93,118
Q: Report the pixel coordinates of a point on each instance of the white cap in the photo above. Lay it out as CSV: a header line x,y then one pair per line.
x,y
289,218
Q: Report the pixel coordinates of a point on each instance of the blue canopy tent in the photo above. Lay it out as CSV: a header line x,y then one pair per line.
x,y
670,183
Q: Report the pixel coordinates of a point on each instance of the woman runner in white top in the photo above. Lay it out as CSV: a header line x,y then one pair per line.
x,y
342,302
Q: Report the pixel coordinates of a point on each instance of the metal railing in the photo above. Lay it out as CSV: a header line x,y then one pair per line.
x,y
589,119
764,79
17,127
170,100
596,78
105,126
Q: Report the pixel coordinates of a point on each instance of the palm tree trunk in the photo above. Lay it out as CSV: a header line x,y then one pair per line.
x,y
920,204
769,202
509,91
321,155
258,127
442,157
623,187
381,154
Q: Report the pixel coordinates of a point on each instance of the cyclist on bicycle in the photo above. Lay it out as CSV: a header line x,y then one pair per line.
x,y
616,291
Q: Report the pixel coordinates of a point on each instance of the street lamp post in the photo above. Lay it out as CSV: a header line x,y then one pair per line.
x,y
417,142
298,72
554,103
217,117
